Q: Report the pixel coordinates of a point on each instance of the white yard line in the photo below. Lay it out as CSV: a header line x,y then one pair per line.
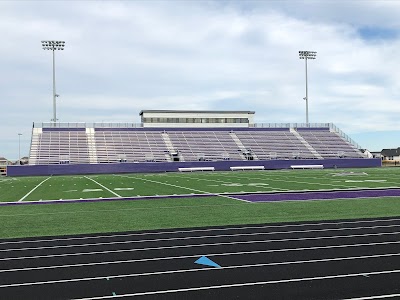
x,y
333,223
103,187
200,237
196,256
169,184
213,287
228,182
288,181
202,270
190,189
31,191
294,180
202,245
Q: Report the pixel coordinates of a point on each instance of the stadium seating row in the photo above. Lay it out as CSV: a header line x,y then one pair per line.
x,y
116,145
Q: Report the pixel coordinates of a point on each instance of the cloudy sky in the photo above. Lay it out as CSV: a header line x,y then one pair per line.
x,y
125,56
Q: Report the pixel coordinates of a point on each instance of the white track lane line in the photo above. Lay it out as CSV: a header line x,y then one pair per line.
x,y
186,188
201,237
213,287
198,270
31,191
375,297
194,256
193,246
202,245
199,230
103,187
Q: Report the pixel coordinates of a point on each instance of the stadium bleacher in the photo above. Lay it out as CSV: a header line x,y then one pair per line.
x,y
329,144
64,145
277,144
118,145
204,145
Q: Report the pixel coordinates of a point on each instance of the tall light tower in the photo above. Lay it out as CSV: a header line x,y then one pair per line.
x,y
54,45
306,55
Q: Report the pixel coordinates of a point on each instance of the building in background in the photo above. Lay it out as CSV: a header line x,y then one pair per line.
x,y
4,162
191,118
391,154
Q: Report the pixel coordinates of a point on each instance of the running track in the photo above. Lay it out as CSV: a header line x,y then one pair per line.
x,y
355,259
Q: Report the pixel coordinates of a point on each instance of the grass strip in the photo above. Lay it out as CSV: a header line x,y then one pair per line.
x,y
119,216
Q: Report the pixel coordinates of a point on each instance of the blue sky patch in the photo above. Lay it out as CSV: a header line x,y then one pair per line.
x,y
377,33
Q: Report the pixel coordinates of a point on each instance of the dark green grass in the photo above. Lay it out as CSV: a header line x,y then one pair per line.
x,y
117,216
78,218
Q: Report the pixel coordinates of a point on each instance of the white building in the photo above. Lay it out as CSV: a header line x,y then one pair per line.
x,y
192,118
391,154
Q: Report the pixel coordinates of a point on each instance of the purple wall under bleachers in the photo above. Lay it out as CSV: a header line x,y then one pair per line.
x,y
47,170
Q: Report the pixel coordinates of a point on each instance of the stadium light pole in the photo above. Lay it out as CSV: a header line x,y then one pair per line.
x,y
53,46
306,55
19,147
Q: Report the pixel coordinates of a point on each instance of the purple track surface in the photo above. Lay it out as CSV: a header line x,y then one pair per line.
x,y
318,195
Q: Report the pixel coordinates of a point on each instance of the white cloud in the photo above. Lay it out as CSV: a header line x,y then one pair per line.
x,y
122,57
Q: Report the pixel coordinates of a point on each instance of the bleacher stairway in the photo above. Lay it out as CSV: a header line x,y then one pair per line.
x,y
305,143
33,153
241,147
91,141
170,147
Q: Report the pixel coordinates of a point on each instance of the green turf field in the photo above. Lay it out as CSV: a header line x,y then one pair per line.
x,y
106,186
74,218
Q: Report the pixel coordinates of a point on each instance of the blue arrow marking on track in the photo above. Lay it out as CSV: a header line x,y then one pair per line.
x,y
207,262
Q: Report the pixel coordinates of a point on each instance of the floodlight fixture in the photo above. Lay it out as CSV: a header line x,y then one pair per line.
x,y
53,46
306,55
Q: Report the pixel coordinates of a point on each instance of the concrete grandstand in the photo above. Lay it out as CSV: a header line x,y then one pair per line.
x,y
192,139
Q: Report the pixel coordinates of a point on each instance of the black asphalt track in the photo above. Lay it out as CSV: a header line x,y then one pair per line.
x,y
346,259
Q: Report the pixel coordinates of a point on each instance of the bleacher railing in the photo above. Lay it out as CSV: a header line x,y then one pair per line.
x,y
139,125
334,128
291,125
85,125
329,126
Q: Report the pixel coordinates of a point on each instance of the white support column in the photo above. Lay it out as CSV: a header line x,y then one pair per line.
x,y
91,141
